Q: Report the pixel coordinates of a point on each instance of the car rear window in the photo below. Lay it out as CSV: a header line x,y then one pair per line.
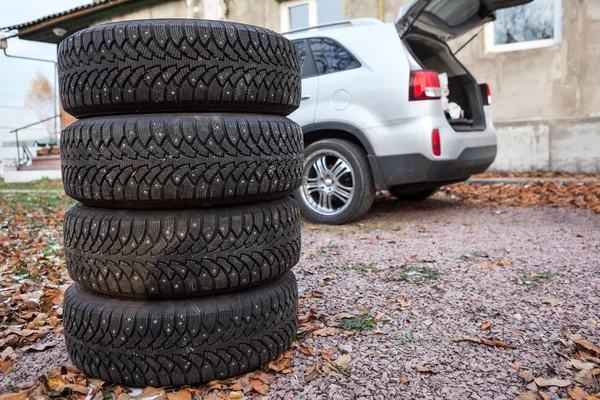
x,y
331,57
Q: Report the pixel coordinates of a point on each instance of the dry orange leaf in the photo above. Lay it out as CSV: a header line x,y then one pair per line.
x,y
404,380
541,382
182,394
259,386
325,331
487,325
420,368
22,395
589,346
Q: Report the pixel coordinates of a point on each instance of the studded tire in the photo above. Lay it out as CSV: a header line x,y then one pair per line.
x,y
177,65
181,160
179,342
183,253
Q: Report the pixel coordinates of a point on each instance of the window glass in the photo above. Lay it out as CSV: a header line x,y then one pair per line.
x,y
298,16
526,23
330,57
329,11
455,12
301,53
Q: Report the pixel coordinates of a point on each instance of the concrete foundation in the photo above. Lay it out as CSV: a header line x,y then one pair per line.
x,y
563,145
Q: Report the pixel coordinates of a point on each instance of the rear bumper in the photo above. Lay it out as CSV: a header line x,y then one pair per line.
x,y
406,169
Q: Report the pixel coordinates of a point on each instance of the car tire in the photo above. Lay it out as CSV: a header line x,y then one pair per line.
x,y
177,65
413,196
363,190
179,342
181,160
193,252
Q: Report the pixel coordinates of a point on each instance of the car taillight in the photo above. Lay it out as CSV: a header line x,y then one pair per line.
x,y
436,142
424,85
486,94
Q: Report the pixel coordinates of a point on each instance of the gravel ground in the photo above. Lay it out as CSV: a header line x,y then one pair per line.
x,y
530,272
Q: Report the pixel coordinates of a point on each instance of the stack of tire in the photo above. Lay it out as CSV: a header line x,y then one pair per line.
x,y
183,162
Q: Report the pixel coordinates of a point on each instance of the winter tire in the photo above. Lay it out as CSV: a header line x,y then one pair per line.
x,y
182,342
181,160
183,253
177,65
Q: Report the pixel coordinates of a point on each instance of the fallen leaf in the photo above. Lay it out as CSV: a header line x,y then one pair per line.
x,y
484,266
325,331
150,391
486,341
6,366
22,395
589,346
526,375
236,395
259,386
182,394
405,302
580,365
420,368
39,347
584,377
75,388
343,361
487,325
577,393
592,322
344,315
541,382
552,301
528,396
404,380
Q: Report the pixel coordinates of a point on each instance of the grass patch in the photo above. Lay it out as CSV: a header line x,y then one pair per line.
x,y
363,322
362,267
42,184
536,278
408,340
417,274
325,250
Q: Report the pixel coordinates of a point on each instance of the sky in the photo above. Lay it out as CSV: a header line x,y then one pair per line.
x,y
16,75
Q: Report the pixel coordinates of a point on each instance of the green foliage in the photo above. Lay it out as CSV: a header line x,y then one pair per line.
x,y
417,274
363,322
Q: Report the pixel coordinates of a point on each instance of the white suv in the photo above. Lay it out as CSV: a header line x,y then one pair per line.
x,y
375,115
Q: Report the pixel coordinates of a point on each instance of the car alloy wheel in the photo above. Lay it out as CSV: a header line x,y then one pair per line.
x,y
328,182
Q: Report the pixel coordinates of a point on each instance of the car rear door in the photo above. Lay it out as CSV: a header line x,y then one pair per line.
x,y
305,114
449,19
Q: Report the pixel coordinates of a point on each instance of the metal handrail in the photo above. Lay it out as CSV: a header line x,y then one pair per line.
x,y
16,132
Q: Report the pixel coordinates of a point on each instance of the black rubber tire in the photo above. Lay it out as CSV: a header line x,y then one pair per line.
x,y
421,195
179,342
181,160
364,186
177,65
183,253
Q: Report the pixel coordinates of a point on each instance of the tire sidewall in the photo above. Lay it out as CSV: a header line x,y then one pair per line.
x,y
362,176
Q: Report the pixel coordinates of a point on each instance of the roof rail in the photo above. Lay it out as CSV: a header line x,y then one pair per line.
x,y
329,25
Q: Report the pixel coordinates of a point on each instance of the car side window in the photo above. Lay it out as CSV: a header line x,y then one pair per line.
x,y
331,57
301,45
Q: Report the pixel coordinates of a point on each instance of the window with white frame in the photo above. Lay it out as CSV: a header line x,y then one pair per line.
x,y
300,14
533,25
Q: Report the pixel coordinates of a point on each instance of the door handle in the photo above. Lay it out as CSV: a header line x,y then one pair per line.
x,y
305,97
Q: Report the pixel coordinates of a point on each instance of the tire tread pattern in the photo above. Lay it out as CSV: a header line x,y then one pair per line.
x,y
181,160
178,65
183,253
183,342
